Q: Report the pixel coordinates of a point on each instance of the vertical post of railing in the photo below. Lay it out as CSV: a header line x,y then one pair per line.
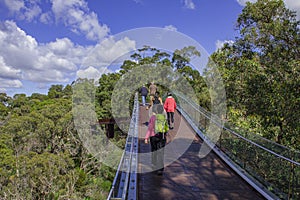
x,y
291,179
291,192
126,169
220,139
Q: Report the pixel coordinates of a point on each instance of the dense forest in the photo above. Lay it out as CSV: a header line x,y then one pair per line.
x,y
42,156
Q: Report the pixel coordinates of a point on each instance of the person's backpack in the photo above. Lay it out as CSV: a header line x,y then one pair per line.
x,y
156,100
161,125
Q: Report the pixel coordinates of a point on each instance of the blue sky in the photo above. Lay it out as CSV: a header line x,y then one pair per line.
x,y
46,42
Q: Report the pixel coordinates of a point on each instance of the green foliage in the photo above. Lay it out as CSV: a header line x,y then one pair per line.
x,y
103,94
55,91
37,96
261,70
182,57
4,106
174,68
41,155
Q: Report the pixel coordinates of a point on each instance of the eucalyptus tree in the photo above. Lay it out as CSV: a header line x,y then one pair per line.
x,y
261,68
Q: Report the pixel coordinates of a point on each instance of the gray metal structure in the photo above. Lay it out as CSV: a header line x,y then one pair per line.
x,y
125,182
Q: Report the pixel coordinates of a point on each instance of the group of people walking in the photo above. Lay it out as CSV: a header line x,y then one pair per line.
x,y
169,105
159,123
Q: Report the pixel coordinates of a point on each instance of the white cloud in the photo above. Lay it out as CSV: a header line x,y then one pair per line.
x,y
76,15
46,76
108,51
9,84
220,44
243,2
171,28
8,71
92,73
294,5
61,46
189,4
18,49
52,61
25,10
24,59
46,18
31,12
14,5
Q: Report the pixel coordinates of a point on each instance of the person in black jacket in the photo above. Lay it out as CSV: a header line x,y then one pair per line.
x,y
144,93
156,99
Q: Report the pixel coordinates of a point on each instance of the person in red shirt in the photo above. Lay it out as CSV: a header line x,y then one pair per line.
x,y
170,107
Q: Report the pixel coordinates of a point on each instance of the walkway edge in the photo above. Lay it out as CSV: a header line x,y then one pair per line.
x,y
255,184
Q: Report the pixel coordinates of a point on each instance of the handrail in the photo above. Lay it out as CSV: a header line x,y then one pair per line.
x,y
238,135
124,185
270,172
226,159
260,146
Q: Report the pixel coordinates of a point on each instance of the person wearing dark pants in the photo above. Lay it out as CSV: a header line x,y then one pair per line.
x,y
158,143
170,116
157,130
144,93
170,107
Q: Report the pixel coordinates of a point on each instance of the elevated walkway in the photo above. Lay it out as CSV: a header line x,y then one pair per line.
x,y
240,165
187,175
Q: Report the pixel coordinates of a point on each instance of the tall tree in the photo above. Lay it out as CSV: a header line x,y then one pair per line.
x,y
261,69
55,91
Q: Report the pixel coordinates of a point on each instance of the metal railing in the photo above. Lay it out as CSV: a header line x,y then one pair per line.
x,y
272,169
124,185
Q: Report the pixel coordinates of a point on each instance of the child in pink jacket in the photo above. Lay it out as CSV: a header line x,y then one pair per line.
x,y
150,130
157,141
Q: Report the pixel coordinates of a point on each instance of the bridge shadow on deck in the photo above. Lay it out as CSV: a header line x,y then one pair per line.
x,y
187,176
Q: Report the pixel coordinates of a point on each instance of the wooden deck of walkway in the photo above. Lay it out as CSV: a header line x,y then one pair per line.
x,y
187,176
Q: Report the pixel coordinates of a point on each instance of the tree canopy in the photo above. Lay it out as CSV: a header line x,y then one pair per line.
x,y
261,70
